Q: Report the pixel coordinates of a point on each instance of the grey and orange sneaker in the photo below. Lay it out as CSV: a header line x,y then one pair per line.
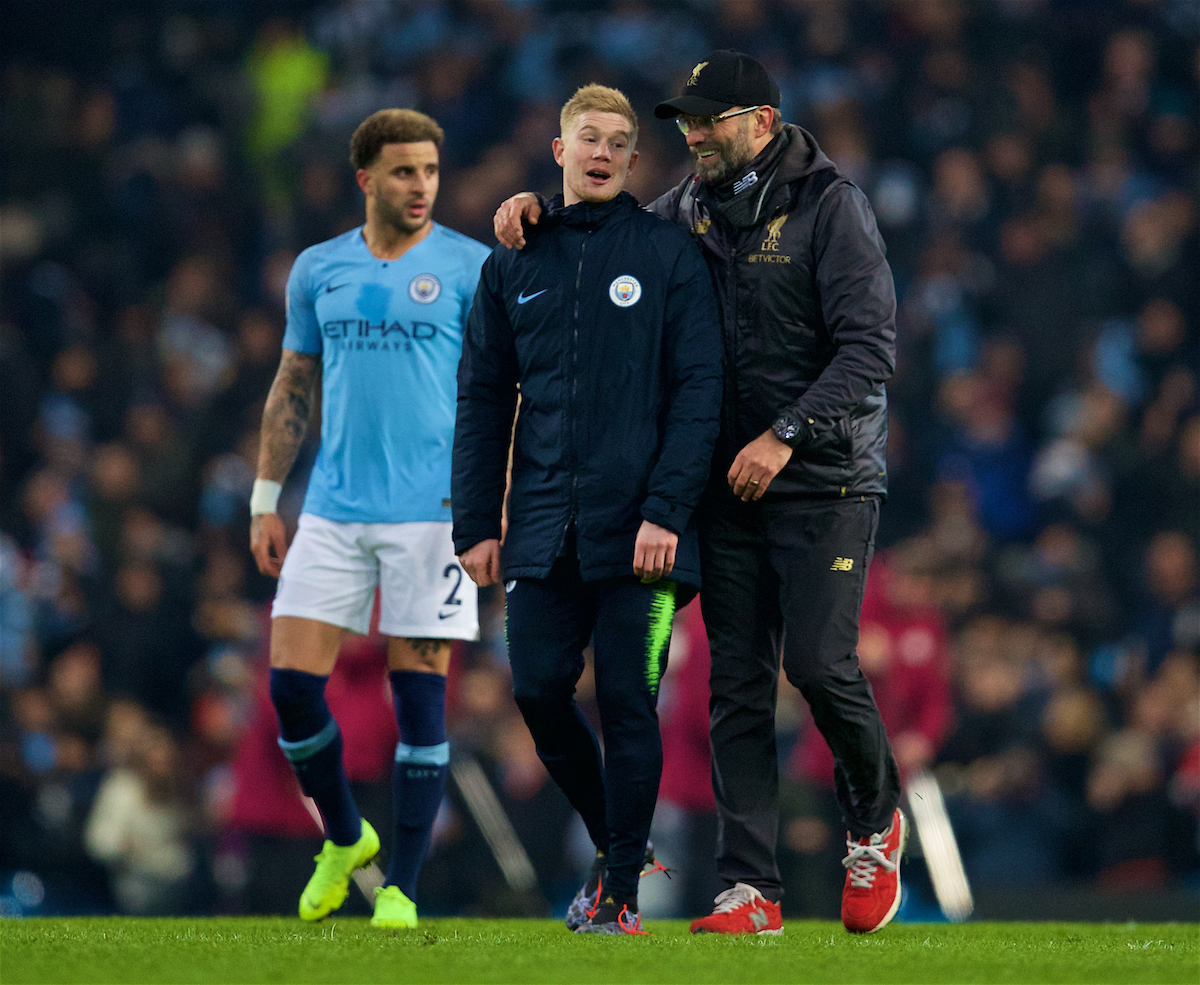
x,y
588,897
611,917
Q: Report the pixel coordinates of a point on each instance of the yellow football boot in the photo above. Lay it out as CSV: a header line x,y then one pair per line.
x,y
330,883
393,909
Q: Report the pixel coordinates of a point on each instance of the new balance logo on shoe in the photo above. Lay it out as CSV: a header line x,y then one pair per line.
x,y
741,910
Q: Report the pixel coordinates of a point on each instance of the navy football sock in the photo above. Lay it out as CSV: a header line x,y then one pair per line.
x,y
311,740
419,776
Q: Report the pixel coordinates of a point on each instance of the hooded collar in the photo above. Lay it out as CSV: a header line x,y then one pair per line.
x,y
744,203
590,214
760,169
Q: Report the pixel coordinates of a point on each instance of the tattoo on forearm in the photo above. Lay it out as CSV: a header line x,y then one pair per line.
x,y
285,417
427,648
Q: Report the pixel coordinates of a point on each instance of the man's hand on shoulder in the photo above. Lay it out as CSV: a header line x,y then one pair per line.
x,y
756,465
268,543
482,562
507,220
654,551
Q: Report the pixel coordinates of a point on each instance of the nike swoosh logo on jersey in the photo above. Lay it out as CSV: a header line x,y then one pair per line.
x,y
521,298
447,615
330,288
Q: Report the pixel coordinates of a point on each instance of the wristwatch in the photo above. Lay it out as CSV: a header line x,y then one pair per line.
x,y
787,429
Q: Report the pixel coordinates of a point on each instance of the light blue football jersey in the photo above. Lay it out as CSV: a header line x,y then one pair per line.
x,y
390,335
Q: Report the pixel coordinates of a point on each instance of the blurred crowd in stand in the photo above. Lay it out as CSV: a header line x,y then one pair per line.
x,y
1032,623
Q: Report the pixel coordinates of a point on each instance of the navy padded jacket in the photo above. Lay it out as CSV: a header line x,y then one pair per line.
x,y
607,324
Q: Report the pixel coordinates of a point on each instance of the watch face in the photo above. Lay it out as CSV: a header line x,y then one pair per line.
x,y
787,430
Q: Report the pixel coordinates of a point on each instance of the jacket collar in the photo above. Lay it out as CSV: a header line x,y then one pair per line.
x,y
590,215
792,155
760,169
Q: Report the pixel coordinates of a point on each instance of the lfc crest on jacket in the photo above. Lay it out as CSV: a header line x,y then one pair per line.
x,y
769,248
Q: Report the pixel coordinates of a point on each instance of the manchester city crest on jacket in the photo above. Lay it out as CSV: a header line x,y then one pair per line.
x,y
625,291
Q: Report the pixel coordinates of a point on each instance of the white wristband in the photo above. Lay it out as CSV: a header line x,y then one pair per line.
x,y
265,497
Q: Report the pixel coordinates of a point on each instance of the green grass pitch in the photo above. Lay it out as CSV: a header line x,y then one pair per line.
x,y
234,949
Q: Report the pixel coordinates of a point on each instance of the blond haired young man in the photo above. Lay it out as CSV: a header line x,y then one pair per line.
x,y
607,324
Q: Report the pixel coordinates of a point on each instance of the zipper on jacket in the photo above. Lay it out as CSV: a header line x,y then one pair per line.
x,y
574,393
731,356
736,256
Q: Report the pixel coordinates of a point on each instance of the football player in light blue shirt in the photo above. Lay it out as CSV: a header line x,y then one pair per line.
x,y
380,312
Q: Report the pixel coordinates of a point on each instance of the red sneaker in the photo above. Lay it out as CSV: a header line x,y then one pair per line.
x,y
741,910
871,895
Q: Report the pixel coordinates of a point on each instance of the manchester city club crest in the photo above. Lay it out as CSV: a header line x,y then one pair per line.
x,y
424,288
625,291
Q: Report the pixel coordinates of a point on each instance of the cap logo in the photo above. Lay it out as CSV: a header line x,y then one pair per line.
x,y
696,74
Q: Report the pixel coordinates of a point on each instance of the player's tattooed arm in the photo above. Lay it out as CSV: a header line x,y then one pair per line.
x,y
285,417
284,424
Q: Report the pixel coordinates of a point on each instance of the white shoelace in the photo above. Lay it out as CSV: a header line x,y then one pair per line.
x,y
731,899
863,861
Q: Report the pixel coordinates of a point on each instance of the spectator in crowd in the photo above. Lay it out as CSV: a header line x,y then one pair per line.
x,y
139,828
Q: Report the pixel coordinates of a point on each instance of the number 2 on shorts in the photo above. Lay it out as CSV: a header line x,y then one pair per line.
x,y
453,570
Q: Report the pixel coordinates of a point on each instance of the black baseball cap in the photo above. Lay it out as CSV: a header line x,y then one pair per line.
x,y
723,80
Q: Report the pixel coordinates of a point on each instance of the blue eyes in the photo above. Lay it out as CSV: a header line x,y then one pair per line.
x,y
592,140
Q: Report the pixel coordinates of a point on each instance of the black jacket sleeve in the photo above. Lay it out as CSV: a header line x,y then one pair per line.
x,y
692,349
487,399
858,301
666,206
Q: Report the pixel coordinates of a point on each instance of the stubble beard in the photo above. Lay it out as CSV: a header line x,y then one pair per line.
x,y
732,155
396,218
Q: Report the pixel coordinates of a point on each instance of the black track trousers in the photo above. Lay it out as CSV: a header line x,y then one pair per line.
x,y
550,622
788,575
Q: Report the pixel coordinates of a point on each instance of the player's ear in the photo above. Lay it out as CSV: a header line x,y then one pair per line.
x,y
559,150
632,162
363,177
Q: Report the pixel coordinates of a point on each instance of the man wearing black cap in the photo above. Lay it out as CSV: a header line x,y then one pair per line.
x,y
788,522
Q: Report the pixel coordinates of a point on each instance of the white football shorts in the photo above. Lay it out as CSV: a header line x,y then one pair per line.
x,y
331,570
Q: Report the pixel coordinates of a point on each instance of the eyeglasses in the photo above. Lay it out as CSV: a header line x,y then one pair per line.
x,y
687,124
